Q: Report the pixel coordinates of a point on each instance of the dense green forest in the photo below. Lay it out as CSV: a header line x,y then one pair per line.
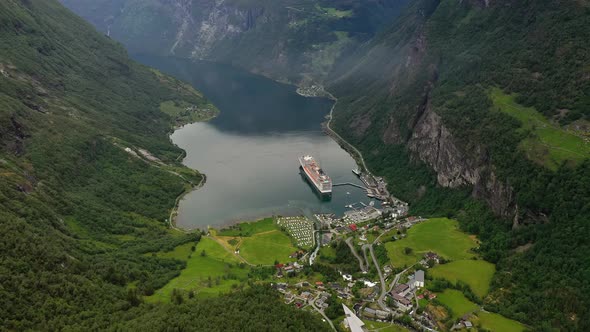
x,y
446,57
80,215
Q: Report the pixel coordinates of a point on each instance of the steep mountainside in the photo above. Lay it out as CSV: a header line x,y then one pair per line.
x,y
290,40
476,109
492,96
87,180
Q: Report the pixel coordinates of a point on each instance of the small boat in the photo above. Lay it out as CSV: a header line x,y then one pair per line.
x,y
357,172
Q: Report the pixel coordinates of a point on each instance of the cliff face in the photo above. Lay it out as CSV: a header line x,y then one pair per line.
x,y
425,84
287,40
432,143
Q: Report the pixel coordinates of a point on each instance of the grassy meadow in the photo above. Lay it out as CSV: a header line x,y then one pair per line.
x,y
221,266
549,144
494,322
440,235
267,247
383,326
249,228
457,302
475,273
260,242
460,306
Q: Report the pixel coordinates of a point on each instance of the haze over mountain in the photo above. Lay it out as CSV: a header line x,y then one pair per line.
x,y
477,110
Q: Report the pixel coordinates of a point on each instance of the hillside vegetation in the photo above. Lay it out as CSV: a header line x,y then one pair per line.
x,y
298,41
426,103
88,177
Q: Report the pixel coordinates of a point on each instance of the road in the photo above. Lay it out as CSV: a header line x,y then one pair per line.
x,y
383,284
312,303
342,140
353,250
365,254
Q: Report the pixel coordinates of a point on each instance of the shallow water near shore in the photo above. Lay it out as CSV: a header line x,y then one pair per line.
x,y
250,151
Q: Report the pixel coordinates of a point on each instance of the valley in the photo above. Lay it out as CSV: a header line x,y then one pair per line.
x,y
149,155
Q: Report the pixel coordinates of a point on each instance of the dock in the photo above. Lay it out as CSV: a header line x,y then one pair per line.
x,y
349,184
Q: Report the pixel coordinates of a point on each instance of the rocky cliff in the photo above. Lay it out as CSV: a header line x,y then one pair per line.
x,y
433,143
294,41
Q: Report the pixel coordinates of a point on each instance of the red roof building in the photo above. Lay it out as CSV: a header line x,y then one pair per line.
x,y
352,227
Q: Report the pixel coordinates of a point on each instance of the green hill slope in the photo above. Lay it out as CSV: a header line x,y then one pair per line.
x,y
298,41
426,103
82,199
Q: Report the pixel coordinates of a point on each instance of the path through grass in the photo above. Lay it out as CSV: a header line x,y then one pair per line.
x,y
207,274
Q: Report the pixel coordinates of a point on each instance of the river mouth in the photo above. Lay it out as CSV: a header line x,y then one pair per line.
x,y
250,151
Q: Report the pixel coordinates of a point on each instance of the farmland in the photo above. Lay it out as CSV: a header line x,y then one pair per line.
x,y
475,273
266,248
210,270
547,144
439,235
457,302
258,243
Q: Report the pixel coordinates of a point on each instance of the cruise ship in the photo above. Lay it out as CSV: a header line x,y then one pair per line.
x,y
314,173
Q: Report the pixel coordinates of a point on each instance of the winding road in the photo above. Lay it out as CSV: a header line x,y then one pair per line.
x,y
362,265
312,303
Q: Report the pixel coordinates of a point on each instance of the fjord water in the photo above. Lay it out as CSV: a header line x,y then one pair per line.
x,y
250,152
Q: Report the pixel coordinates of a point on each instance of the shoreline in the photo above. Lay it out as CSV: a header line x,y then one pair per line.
x,y
344,144
174,211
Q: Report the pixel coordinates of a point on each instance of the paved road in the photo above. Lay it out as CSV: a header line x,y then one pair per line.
x,y
383,284
343,141
365,254
312,303
353,250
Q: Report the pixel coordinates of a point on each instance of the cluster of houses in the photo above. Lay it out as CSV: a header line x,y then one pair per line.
x,y
303,294
285,269
376,313
299,228
402,294
430,258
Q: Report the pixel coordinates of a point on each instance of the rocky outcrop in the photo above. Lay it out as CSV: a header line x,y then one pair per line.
x,y
432,143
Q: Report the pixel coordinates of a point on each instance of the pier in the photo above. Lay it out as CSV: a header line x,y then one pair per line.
x,y
349,184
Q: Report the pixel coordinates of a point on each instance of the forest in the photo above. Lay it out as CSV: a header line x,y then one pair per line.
x,y
80,217
447,57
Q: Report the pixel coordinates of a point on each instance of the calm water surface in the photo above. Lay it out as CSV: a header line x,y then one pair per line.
x,y
249,152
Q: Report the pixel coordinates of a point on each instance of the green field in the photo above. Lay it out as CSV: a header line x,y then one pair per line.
x,y
495,322
460,306
476,273
334,12
457,302
440,235
183,112
267,247
249,228
383,326
550,144
217,263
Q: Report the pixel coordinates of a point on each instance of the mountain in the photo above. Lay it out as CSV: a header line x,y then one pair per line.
x,y
88,177
476,109
490,99
297,41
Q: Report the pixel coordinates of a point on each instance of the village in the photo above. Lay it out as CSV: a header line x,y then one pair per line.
x,y
363,296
